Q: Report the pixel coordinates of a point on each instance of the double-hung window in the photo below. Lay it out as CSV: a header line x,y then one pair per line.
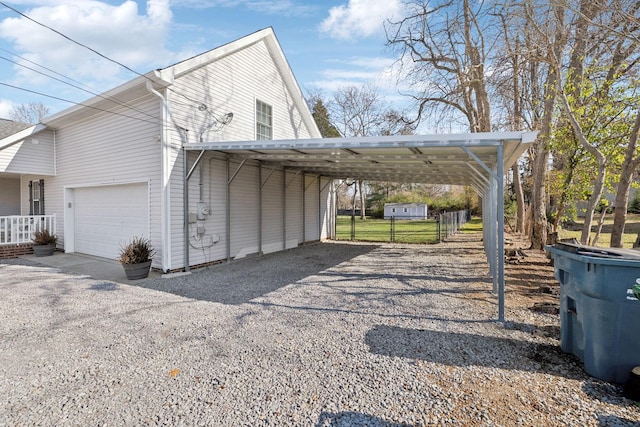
x,y
264,121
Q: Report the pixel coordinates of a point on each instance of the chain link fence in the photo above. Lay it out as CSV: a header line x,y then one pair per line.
x,y
401,229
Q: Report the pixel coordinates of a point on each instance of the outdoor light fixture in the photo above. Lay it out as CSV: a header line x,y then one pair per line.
x,y
226,119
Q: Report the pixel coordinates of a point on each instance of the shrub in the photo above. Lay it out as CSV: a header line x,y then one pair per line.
x,y
137,251
44,237
634,204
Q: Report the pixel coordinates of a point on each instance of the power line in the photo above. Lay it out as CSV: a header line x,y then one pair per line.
x,y
78,103
74,41
114,100
94,51
43,67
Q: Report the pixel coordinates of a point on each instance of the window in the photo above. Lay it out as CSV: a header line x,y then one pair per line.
x,y
264,121
406,210
393,209
36,197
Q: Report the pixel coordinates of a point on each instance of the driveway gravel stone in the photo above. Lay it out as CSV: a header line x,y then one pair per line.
x,y
331,334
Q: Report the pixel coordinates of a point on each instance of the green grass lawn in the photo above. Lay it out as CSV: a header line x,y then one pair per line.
x,y
473,226
379,230
631,229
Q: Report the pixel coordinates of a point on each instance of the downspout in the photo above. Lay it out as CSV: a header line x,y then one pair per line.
x,y
185,205
165,175
55,154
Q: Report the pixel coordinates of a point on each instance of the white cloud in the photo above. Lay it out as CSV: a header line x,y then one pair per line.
x,y
119,32
5,108
360,18
271,7
356,71
280,7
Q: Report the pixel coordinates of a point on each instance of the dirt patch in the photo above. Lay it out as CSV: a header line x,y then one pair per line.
x,y
529,277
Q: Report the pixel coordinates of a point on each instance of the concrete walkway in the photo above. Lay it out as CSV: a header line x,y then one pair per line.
x,y
92,266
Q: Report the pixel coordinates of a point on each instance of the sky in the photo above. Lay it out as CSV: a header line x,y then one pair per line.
x,y
329,43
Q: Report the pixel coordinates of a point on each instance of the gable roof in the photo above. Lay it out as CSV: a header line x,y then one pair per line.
x,y
266,35
9,127
164,77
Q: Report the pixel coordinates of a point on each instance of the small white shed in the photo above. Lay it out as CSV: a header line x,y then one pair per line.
x,y
405,210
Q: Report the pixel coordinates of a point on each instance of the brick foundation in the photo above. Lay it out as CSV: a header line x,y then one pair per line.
x,y
14,251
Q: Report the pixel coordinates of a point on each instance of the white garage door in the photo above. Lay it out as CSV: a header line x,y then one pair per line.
x,y
107,217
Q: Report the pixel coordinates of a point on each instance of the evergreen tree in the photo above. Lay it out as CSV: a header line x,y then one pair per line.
x,y
634,205
321,116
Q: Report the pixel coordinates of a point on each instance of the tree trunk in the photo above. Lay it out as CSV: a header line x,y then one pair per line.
x,y
626,177
598,187
541,147
620,209
539,194
353,200
540,167
363,214
600,223
517,188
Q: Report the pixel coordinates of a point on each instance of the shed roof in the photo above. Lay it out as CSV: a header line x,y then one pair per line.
x,y
457,159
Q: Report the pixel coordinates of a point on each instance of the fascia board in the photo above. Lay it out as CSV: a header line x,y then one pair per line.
x,y
203,59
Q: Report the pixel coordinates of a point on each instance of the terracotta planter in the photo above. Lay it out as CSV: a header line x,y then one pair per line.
x,y
44,250
137,271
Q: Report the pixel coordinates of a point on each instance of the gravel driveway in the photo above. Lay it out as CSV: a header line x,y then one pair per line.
x,y
332,334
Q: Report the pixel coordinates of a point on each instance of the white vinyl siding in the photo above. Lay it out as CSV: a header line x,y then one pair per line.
x,y
327,210
244,211
311,209
272,210
35,155
9,196
99,149
294,209
232,85
106,149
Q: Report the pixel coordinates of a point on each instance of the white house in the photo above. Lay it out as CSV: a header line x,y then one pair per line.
x,y
115,166
405,210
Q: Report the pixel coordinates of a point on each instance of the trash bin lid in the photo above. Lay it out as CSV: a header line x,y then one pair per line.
x,y
593,251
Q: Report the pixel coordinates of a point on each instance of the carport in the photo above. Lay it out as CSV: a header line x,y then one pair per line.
x,y
477,160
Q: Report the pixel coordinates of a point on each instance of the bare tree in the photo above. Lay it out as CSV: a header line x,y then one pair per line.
x,y
358,111
31,113
443,51
546,37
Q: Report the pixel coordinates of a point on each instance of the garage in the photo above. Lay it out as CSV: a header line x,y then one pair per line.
x,y
106,217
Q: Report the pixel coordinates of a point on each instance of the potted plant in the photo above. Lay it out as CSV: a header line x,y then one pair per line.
x,y
135,258
44,243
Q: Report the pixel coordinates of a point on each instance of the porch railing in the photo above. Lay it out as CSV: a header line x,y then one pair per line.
x,y
16,229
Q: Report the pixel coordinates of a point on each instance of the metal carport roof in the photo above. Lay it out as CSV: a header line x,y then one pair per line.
x,y
474,159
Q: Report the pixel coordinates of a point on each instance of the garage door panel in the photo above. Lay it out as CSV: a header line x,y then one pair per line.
x,y
107,217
